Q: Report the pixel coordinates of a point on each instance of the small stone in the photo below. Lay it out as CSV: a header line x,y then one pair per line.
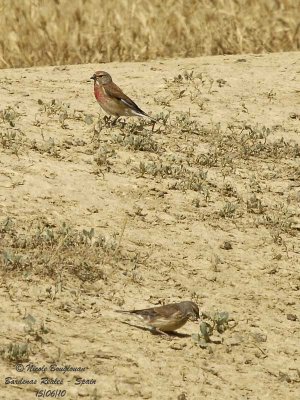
x,y
216,339
293,115
292,317
226,246
235,341
283,377
177,346
93,210
259,337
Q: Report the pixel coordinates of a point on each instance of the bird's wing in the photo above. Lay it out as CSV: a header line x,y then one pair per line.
x,y
113,91
159,312
169,309
146,313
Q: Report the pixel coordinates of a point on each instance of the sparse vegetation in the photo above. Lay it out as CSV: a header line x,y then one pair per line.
x,y
45,250
218,324
15,352
202,205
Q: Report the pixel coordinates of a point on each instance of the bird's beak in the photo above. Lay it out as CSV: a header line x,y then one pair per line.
x,y
93,77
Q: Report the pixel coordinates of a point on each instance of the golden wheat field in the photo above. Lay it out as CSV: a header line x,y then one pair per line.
x,y
39,32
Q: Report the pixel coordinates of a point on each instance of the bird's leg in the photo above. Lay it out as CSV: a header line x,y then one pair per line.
x,y
106,119
123,123
115,121
163,333
156,330
153,124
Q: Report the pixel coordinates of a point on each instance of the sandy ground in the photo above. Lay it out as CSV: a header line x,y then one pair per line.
x,y
205,207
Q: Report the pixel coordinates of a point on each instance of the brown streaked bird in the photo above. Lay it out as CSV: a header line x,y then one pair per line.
x,y
167,318
112,99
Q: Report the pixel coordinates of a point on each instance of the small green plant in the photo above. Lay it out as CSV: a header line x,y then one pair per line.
x,y
142,141
12,139
64,112
34,329
218,321
163,101
48,146
254,205
9,115
228,211
11,260
6,225
103,159
15,352
42,249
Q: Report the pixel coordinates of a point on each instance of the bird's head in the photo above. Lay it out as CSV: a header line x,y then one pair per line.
x,y
192,310
101,77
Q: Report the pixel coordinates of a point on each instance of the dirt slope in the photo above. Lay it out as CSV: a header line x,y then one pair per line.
x,y
205,207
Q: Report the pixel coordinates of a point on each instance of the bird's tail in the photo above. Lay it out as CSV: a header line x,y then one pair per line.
x,y
141,113
124,311
152,119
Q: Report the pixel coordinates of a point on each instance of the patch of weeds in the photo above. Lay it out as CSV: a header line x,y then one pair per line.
x,y
55,107
178,93
15,352
229,210
163,101
228,190
47,250
163,169
187,125
251,141
186,178
281,148
103,158
12,139
280,220
137,125
64,112
195,181
46,147
142,141
12,260
185,78
255,185
163,118
254,205
86,271
6,225
37,331
218,323
106,122
9,115
208,160
189,83
130,126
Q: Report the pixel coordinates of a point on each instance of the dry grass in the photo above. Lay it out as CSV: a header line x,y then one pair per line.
x,y
41,32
